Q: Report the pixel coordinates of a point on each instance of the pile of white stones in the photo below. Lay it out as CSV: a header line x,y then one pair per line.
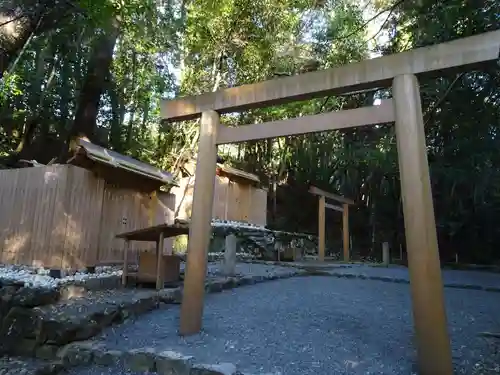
x,y
39,277
238,224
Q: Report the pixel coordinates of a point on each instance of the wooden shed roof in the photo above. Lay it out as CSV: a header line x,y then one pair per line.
x,y
237,173
234,174
111,158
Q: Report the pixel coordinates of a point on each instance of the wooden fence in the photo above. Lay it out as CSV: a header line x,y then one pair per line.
x,y
64,216
232,201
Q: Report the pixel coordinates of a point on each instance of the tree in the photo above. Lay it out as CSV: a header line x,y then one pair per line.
x,y
99,68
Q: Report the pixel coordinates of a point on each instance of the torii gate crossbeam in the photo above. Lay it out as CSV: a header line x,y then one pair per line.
x,y
402,69
461,54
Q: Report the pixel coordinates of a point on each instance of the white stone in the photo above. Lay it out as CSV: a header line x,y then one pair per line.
x,y
38,277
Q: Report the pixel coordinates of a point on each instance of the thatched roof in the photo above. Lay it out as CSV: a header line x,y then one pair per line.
x,y
87,151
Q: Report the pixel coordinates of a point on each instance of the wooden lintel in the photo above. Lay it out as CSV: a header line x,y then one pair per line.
x,y
460,54
316,191
333,207
372,115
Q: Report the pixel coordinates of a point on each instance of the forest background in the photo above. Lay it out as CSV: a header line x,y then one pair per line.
x,y
100,67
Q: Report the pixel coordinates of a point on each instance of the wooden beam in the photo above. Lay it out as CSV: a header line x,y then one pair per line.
x,y
226,198
321,229
372,115
333,207
125,263
200,229
159,260
316,191
460,54
345,232
426,284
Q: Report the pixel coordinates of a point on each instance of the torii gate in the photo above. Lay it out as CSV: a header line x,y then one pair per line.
x,y
344,208
400,70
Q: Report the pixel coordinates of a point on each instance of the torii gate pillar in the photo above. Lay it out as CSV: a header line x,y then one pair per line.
x,y
431,329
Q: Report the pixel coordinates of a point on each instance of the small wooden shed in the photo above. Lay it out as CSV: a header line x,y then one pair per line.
x,y
237,195
67,215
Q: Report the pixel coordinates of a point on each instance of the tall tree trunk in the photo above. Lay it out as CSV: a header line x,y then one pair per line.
x,y
26,149
130,127
115,133
22,19
145,117
66,98
93,86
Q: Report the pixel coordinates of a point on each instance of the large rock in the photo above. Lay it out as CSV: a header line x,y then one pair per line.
x,y
170,362
16,294
80,353
219,369
141,360
17,317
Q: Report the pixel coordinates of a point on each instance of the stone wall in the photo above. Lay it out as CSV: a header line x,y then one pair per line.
x,y
25,311
264,244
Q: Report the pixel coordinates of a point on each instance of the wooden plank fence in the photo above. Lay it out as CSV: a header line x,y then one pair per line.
x,y
64,216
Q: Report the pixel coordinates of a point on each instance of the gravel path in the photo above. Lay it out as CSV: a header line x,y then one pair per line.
x,y
250,269
314,325
453,277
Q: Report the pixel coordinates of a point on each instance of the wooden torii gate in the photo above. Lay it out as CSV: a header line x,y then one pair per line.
x,y
399,71
344,208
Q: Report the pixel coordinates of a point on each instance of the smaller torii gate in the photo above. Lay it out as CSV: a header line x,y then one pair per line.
x,y
322,224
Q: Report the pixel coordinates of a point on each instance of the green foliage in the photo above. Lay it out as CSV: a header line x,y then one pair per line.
x,y
181,48
9,87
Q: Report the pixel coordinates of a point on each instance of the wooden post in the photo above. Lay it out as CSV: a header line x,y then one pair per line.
x,y
433,343
321,229
125,263
200,228
159,260
231,245
345,231
226,198
385,253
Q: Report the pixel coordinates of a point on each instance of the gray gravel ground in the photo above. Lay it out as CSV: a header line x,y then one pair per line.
x,y
314,325
484,279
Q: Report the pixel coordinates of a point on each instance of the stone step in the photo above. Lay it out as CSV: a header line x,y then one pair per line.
x,y
143,360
